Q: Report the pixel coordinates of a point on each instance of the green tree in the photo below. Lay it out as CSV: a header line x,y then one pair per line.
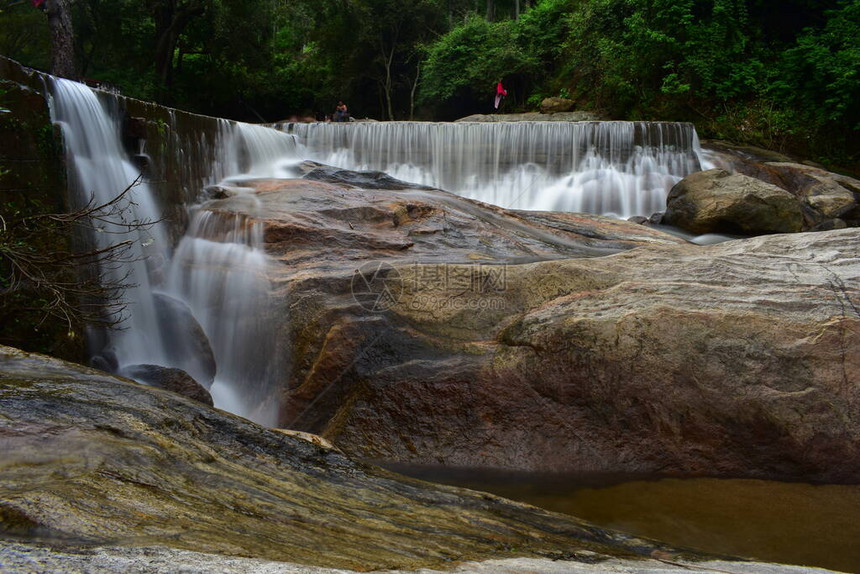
x,y
64,61
24,34
825,68
463,66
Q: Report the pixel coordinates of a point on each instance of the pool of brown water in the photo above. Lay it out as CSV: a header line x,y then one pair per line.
x,y
791,523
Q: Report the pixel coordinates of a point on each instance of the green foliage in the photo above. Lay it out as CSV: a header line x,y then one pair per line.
x,y
467,62
723,64
820,75
24,35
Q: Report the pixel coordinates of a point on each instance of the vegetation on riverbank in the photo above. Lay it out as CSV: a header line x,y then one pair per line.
x,y
783,75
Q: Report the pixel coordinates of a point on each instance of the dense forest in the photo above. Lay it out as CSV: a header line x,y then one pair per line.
x,y
784,75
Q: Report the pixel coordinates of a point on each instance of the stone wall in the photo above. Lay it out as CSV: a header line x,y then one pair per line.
x,y
178,153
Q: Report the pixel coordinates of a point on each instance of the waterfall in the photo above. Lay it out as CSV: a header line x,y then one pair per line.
x,y
204,308
98,171
614,168
219,269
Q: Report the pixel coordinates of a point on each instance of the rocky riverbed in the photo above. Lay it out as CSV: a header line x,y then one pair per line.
x,y
103,474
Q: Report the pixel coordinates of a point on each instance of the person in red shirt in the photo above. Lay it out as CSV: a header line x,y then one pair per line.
x,y
500,93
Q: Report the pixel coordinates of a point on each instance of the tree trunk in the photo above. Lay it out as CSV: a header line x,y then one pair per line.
x,y
387,61
63,60
387,85
171,17
412,93
491,10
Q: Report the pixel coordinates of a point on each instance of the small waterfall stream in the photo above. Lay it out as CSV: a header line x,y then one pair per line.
x,y
204,308
219,269
612,168
98,171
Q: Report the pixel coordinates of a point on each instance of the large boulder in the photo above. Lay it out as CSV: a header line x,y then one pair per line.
x,y
426,328
311,226
827,198
435,330
556,105
715,201
737,359
829,195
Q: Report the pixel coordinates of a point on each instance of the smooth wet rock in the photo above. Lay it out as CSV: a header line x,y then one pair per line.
x,y
90,460
186,344
426,328
169,379
360,179
316,227
106,361
715,201
218,192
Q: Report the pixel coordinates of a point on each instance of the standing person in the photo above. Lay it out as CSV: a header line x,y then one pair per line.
x,y
340,113
500,93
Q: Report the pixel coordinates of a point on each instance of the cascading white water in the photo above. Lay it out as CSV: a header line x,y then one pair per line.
x,y
613,168
217,277
219,269
249,150
98,172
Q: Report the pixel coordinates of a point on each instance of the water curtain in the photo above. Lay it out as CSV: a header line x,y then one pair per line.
x,y
612,168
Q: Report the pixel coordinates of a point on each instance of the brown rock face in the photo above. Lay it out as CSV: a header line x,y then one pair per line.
x,y
715,201
493,342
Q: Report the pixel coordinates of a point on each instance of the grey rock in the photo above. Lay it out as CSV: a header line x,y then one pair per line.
x,y
556,105
20,558
359,179
715,201
187,346
169,379
90,460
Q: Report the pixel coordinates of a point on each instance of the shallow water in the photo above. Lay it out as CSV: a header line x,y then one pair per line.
x,y
792,523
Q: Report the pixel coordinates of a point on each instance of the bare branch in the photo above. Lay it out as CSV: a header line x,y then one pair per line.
x,y
41,273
